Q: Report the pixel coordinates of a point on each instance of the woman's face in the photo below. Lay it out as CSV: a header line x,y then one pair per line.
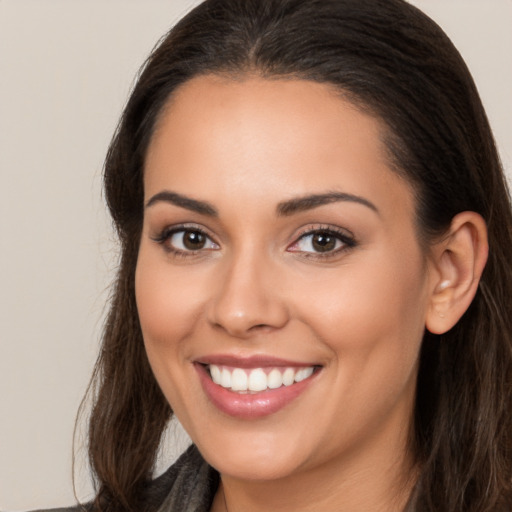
x,y
279,253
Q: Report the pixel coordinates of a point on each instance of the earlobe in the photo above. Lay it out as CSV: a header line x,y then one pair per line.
x,y
458,263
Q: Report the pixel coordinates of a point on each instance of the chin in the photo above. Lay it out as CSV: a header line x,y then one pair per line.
x,y
253,457
254,466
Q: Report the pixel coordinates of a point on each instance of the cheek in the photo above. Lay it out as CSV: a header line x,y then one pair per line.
x,y
169,301
371,308
168,308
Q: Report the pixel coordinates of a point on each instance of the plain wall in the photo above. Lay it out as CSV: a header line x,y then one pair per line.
x,y
66,69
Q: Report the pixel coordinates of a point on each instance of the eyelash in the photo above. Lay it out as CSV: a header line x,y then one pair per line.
x,y
347,240
166,234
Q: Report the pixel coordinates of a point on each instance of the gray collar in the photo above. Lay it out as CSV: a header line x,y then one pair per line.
x,y
193,484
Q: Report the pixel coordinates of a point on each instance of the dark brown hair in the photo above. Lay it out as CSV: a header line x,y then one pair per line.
x,y
393,61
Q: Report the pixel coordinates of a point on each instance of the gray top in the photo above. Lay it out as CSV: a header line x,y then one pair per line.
x,y
189,485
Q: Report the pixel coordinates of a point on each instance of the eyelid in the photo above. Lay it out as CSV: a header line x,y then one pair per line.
x,y
165,234
345,236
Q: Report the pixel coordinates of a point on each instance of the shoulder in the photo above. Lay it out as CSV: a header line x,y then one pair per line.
x,y
189,485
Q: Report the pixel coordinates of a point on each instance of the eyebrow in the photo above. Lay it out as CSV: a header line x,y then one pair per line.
x,y
284,209
309,202
182,201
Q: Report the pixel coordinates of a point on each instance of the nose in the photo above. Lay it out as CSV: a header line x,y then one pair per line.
x,y
248,298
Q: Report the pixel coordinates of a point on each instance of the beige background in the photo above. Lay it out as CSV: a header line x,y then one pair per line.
x,y
66,69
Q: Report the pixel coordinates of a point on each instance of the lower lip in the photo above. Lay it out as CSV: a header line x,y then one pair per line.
x,y
250,405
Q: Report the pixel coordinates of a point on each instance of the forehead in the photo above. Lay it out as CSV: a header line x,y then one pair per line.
x,y
254,137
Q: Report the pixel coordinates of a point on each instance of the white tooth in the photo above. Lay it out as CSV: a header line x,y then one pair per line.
x,y
308,372
257,380
288,376
304,373
225,378
215,373
274,379
299,376
238,380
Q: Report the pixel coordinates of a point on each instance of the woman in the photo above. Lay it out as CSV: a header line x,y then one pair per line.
x,y
315,273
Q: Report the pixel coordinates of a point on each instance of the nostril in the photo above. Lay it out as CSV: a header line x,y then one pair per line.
x,y
260,327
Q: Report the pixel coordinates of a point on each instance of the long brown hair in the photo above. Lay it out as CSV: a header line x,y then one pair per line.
x,y
391,60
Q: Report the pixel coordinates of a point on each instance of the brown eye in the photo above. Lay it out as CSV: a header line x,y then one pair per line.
x,y
194,240
323,242
187,241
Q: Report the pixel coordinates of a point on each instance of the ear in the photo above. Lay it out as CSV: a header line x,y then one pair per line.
x,y
458,261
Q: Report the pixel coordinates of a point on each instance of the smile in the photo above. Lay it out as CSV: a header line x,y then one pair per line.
x,y
244,380
256,387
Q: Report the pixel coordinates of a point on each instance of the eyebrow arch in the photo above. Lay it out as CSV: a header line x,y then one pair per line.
x,y
182,201
309,202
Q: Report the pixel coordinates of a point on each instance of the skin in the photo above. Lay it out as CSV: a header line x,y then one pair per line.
x,y
258,287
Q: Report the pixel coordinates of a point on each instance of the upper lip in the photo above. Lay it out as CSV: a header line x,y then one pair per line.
x,y
254,361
